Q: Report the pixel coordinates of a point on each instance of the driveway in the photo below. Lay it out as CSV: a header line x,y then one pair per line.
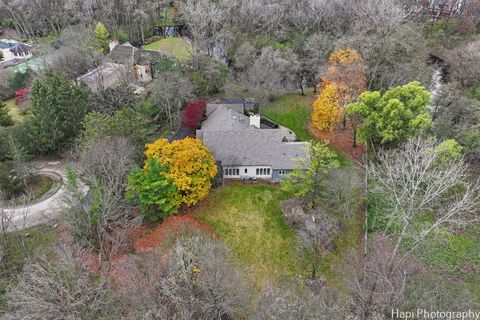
x,y
46,208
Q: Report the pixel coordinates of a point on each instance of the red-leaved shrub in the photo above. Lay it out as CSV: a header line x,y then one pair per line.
x,y
193,113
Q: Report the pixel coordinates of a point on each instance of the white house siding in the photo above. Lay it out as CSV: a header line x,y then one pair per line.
x,y
144,73
247,171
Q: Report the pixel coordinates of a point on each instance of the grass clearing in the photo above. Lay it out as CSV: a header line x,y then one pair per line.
x,y
248,219
292,110
14,111
179,48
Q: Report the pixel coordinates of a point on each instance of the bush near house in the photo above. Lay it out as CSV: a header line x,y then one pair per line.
x,y
193,113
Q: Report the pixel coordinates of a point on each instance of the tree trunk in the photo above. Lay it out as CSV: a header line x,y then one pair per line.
x,y
354,137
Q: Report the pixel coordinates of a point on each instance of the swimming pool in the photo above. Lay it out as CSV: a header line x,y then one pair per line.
x,y
5,44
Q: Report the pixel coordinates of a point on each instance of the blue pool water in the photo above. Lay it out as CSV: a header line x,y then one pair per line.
x,y
6,44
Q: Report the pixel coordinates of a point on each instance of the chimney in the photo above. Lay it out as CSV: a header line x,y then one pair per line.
x,y
255,120
113,44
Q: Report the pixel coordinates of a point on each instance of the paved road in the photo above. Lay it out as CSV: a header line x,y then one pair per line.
x,y
47,209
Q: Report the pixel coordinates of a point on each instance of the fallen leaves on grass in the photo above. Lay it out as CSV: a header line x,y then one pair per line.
x,y
341,140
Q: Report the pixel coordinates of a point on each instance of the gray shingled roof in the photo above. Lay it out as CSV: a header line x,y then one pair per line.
x,y
126,54
225,119
254,147
211,107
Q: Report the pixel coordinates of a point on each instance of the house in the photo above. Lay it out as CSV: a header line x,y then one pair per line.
x,y
246,147
124,63
13,52
239,105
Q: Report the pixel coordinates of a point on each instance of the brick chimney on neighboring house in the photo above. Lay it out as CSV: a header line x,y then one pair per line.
x,y
255,120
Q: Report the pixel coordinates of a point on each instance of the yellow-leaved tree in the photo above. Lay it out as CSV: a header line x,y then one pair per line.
x,y
188,164
343,82
326,113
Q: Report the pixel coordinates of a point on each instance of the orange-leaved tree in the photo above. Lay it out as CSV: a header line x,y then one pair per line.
x,y
347,69
188,164
343,82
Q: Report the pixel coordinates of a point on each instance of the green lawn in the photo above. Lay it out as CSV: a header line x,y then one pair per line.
x,y
292,110
248,219
14,111
177,47
39,186
454,255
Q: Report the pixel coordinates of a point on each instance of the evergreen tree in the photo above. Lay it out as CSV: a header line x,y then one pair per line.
x,y
5,118
58,108
101,38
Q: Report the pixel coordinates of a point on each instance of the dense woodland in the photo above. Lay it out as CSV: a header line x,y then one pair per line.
x,y
384,217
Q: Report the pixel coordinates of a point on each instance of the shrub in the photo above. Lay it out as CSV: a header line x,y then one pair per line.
x,y
209,76
18,80
121,35
153,191
193,113
5,117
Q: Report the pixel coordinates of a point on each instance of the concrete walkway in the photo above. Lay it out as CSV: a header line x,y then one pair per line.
x,y
48,207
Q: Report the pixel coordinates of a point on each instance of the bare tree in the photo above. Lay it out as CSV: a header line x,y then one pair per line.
x,y
415,181
58,289
463,64
285,303
173,90
268,74
71,54
95,208
205,20
197,279
316,240
12,222
431,291
374,285
343,191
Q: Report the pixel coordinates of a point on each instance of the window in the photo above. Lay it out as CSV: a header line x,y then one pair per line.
x,y
257,171
225,172
229,172
246,170
268,171
237,172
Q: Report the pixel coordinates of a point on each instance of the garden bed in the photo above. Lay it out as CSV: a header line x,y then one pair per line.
x,y
38,187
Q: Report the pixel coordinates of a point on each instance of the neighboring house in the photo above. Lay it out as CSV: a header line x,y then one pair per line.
x,y
13,53
246,148
123,63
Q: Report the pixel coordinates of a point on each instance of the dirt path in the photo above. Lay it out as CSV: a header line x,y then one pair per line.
x,y
48,208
